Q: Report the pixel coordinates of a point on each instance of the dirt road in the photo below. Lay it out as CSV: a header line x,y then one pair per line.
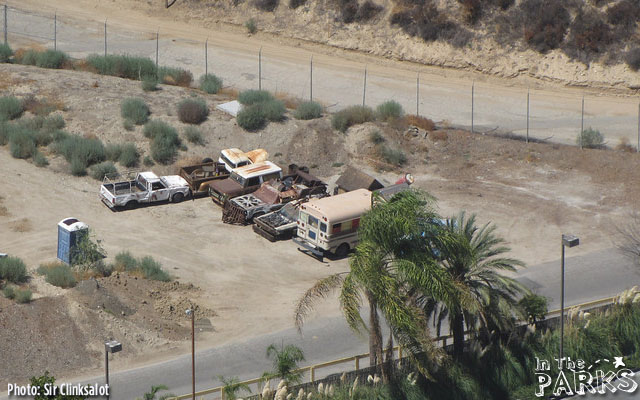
x,y
338,75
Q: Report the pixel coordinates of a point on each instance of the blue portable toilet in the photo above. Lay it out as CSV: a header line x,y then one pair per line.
x,y
68,231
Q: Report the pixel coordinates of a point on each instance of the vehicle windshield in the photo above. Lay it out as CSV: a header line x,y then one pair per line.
x,y
237,178
289,211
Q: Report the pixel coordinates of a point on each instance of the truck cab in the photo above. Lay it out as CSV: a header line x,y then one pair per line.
x,y
235,158
244,180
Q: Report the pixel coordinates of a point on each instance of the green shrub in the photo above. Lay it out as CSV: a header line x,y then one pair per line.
x,y
58,274
106,168
175,76
251,26
102,269
5,53
123,66
633,58
155,128
308,110
249,97
389,110
83,151
78,168
10,108
13,269
210,83
113,151
273,110
194,135
53,122
22,143
125,262
23,296
51,59
135,110
5,130
40,160
590,139
192,111
149,83
28,57
42,137
59,135
393,156
376,137
164,149
129,156
252,118
9,292
148,161
128,125
350,116
152,269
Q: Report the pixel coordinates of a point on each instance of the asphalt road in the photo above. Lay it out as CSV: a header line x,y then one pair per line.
x,y
590,277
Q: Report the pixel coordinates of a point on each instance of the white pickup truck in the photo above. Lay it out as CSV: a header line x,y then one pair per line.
x,y
147,187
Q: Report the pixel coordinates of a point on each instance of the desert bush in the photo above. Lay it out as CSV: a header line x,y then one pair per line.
x,y
10,108
9,292
23,296
128,125
129,155
40,160
367,11
472,10
26,57
545,23
77,167
350,116
423,20
164,143
249,97
293,4
149,83
54,59
376,137
155,128
389,110
308,110
266,5
210,83
83,151
251,118
175,76
105,168
22,143
633,58
251,26
13,269
113,151
101,268
393,156
151,269
59,135
588,34
193,111
124,261
420,122
590,139
42,107
273,110
148,161
5,53
624,13
135,110
58,274
53,122
123,66
193,135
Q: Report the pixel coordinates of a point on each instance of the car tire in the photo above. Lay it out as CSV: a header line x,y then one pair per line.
x,y
342,250
177,198
207,160
130,205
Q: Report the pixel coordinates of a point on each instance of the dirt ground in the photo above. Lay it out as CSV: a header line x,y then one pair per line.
x,y
244,285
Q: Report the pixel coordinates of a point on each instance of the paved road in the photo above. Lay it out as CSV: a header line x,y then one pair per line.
x,y
588,277
338,76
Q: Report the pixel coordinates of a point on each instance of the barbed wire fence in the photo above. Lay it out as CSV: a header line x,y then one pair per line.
x,y
530,116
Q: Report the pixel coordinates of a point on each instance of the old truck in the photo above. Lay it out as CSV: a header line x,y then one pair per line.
x,y
235,158
243,180
146,187
272,195
199,176
280,224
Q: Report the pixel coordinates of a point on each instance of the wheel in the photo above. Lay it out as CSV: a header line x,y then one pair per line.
x,y
342,250
130,205
177,198
207,160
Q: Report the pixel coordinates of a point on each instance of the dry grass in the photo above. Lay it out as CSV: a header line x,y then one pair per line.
x,y
229,92
289,101
43,106
625,146
438,136
421,122
21,225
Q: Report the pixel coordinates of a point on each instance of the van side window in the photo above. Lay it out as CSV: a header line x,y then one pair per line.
x,y
313,222
273,175
253,181
356,223
323,227
346,225
336,228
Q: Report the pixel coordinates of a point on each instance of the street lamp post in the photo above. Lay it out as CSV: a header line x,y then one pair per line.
x,y
568,241
110,346
190,312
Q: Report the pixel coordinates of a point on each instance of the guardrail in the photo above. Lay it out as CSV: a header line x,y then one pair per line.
x,y
311,369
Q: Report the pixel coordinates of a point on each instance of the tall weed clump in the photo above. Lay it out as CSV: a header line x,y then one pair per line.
x,y
260,107
193,111
5,53
249,97
81,152
13,269
135,110
54,59
123,66
389,110
58,274
590,139
194,135
164,141
146,266
105,168
308,110
210,83
10,108
175,76
350,116
251,118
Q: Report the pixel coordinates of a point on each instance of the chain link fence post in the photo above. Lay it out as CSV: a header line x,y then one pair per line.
x,y
5,25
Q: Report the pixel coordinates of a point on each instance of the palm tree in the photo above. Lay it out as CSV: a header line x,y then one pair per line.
x,y
151,395
231,387
390,263
285,362
472,257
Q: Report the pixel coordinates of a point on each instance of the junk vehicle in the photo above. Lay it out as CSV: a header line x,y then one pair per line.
x,y
331,224
280,224
235,158
272,195
199,176
147,187
243,180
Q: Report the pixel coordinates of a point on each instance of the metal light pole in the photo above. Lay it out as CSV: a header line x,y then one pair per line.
x,y
111,346
190,312
568,241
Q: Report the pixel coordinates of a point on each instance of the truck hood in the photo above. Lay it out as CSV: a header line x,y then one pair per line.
x,y
226,186
173,181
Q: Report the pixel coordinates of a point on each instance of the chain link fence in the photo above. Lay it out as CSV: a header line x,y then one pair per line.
x,y
536,114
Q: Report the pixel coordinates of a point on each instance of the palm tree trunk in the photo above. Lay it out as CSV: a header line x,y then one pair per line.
x,y
457,327
375,333
387,366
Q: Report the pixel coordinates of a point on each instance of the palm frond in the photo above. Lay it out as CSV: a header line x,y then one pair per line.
x,y
320,290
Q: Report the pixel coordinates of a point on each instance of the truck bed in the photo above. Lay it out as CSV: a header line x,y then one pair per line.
x,y
125,187
198,174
